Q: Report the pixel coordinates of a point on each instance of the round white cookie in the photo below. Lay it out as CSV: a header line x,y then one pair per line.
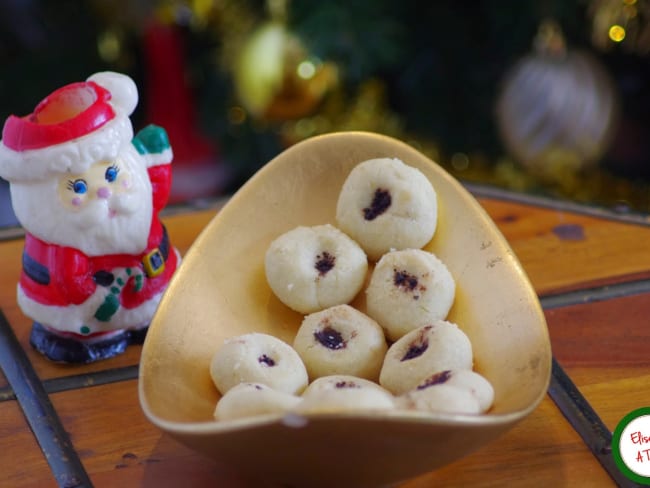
x,y
313,268
253,399
341,340
258,358
385,204
465,379
341,393
440,398
408,289
341,381
423,352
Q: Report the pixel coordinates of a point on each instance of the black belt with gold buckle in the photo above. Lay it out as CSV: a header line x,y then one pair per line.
x,y
154,260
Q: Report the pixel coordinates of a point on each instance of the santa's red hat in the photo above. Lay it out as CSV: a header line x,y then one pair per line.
x,y
71,129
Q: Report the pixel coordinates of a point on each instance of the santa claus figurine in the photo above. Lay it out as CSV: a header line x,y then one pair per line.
x,y
87,192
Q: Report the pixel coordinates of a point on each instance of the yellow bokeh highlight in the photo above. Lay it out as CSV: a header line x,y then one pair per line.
x,y
306,70
109,46
616,33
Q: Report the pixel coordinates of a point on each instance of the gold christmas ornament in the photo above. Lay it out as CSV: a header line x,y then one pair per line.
x,y
557,110
621,22
366,109
276,78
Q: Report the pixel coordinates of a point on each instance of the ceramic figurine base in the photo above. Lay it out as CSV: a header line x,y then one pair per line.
x,y
61,349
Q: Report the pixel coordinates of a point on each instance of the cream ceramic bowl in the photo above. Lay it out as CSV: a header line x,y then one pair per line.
x,y
220,291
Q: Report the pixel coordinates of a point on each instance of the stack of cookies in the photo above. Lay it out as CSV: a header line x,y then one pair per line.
x,y
401,352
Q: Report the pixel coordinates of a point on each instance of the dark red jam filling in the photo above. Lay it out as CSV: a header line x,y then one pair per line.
x,y
381,200
416,350
435,379
324,263
264,359
330,338
403,279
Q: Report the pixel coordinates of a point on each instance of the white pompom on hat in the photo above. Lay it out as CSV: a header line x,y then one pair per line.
x,y
70,130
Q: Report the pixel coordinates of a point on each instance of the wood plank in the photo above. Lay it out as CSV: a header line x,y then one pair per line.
x,y
22,464
563,251
631,393
612,332
589,375
10,262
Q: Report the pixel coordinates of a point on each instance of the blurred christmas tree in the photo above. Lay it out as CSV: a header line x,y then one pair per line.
x,y
545,96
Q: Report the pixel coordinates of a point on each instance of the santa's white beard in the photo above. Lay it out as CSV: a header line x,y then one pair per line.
x,y
111,227
117,225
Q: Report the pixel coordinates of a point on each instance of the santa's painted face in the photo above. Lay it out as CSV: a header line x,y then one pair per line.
x,y
105,210
105,185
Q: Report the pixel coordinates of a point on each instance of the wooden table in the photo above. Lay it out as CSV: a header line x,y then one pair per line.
x,y
591,269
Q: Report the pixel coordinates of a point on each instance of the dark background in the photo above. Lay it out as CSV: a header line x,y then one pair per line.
x,y
427,72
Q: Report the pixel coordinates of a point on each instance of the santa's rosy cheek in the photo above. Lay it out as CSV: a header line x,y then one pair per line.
x,y
77,201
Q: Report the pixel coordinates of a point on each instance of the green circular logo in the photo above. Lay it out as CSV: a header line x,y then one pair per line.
x,y
631,445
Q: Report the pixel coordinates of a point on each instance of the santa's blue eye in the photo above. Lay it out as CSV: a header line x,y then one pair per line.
x,y
111,173
78,186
